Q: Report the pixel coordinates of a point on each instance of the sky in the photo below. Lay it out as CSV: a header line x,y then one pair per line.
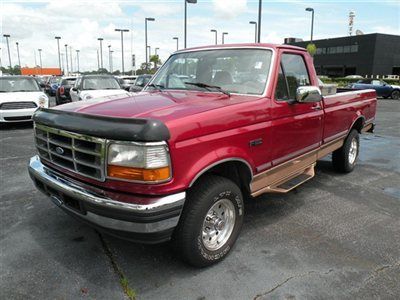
x,y
34,24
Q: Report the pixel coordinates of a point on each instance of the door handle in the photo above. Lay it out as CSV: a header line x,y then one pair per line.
x,y
316,107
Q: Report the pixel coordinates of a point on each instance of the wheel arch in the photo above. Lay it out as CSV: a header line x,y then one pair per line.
x,y
358,124
236,169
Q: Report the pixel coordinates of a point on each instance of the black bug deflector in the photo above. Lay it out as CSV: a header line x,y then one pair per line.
x,y
124,129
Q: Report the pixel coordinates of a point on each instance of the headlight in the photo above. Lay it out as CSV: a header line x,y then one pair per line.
x,y
139,162
87,97
43,101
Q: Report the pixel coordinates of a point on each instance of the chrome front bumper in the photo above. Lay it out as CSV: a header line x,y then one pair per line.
x,y
140,222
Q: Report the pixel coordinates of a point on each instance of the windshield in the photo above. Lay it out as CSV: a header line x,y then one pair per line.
x,y
243,71
100,83
15,84
68,81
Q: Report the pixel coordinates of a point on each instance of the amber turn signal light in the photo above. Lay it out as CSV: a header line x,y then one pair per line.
x,y
138,174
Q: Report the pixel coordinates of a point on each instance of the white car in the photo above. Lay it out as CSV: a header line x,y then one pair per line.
x,y
95,86
20,96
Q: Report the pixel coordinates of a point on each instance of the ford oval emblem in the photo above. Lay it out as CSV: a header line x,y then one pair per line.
x,y
60,150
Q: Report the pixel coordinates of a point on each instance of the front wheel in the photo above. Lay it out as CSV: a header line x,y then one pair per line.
x,y
395,95
210,222
345,158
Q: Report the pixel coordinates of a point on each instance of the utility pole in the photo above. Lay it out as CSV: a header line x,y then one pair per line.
x,y
185,25
223,35
259,20
111,63
7,36
66,57
77,59
40,59
19,59
216,35
58,48
101,51
70,59
312,21
177,42
98,59
256,34
145,36
122,47
109,58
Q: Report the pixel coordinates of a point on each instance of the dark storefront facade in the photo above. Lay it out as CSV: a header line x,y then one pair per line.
x,y
365,55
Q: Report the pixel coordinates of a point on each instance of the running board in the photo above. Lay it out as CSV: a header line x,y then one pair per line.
x,y
293,181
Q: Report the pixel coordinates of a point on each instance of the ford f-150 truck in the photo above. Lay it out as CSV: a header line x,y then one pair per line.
x,y
215,125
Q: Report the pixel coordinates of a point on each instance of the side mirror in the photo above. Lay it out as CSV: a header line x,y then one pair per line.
x,y
74,89
307,94
42,85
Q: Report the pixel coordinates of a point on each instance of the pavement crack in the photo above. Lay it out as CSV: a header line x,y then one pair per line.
x,y
381,269
129,292
259,296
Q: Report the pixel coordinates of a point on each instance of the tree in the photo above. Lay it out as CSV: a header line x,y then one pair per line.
x,y
155,59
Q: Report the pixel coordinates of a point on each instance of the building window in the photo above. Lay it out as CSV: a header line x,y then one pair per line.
x,y
346,49
354,48
339,49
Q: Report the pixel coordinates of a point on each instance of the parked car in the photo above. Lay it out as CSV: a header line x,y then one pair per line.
x,y
127,81
94,86
20,96
382,88
140,83
354,77
177,161
62,93
52,85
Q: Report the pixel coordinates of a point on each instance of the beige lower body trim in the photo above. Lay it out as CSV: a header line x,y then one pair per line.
x,y
269,180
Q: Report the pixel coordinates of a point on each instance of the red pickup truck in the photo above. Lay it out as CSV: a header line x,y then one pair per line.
x,y
215,125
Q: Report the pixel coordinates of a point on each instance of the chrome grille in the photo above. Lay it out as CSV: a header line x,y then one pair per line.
x,y
78,153
17,105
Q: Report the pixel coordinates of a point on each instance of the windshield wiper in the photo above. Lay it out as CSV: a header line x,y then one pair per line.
x,y
209,87
158,87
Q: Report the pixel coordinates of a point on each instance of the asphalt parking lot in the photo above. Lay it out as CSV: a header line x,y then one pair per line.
x,y
337,236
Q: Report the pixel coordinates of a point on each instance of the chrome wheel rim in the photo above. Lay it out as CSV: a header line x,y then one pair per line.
x,y
218,224
353,151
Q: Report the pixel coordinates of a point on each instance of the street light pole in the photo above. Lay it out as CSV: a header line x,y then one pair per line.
x,y
109,58
77,59
216,35
156,51
185,25
58,48
223,37
66,57
70,59
177,42
40,59
122,47
7,36
312,21
259,20
19,59
101,51
255,25
145,36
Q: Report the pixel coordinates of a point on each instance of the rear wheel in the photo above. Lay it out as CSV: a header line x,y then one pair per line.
x,y
395,95
345,158
210,222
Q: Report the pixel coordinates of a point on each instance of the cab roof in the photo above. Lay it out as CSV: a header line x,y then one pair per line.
x,y
245,45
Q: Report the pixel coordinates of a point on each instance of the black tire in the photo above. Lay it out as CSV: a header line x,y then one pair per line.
x,y
189,234
342,158
395,95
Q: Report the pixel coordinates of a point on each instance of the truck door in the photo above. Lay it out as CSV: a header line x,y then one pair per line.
x,y
297,127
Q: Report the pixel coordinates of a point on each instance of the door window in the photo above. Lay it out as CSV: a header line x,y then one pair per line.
x,y
293,73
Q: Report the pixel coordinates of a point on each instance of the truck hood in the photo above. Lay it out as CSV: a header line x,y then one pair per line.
x,y
103,93
164,106
21,96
